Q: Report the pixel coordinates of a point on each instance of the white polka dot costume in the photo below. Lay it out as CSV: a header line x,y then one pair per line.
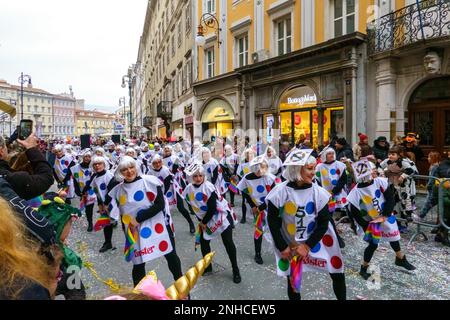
x,y
370,202
170,161
298,210
243,169
230,162
274,165
328,175
162,175
258,189
61,167
209,167
82,176
153,238
100,185
198,198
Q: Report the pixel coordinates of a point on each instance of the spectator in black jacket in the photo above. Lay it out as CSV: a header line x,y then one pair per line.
x,y
27,185
343,150
380,149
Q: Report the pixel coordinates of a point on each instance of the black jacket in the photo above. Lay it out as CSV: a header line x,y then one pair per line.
x,y
380,152
29,186
443,170
346,152
36,224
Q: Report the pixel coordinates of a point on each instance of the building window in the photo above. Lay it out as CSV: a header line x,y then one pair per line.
x,y
283,36
179,34
242,51
211,6
188,17
210,62
344,17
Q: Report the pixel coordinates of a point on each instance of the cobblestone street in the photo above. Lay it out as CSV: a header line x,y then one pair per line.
x,y
430,281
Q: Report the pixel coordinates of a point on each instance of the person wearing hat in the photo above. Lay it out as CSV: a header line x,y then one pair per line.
x,y
343,150
82,173
380,149
362,148
299,223
254,187
214,214
411,145
371,203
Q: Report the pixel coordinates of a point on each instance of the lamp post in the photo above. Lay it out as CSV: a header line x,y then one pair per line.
x,y
129,78
122,103
207,21
24,78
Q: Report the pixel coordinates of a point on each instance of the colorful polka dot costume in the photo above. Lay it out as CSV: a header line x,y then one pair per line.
x,y
275,165
100,185
209,167
153,239
81,176
161,175
370,202
328,175
298,210
61,167
243,169
230,162
198,198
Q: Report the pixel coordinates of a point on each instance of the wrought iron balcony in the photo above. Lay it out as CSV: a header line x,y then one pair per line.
x,y
164,109
147,122
429,19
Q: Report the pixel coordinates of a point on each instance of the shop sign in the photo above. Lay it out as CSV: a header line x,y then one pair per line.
x,y
307,98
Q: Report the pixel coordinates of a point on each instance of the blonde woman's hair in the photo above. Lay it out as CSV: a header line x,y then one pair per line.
x,y
21,262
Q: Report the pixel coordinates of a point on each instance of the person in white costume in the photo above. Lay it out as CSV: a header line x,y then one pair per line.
x,y
215,215
242,170
146,217
213,171
61,172
299,222
275,164
372,201
229,164
254,187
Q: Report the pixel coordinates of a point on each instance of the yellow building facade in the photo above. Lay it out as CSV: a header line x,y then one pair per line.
x,y
297,66
95,123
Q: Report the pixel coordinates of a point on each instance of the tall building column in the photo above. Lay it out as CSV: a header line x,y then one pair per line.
x,y
385,80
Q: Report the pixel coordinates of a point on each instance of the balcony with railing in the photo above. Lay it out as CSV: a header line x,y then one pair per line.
x,y
147,122
164,109
420,22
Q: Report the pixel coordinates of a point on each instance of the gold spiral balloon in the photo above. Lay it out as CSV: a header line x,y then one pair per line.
x,y
181,288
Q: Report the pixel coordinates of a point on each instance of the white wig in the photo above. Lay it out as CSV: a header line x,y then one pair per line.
x,y
293,173
369,178
86,152
247,152
126,162
156,145
201,171
205,150
257,167
323,155
274,153
98,159
132,151
59,147
101,150
121,148
156,157
177,147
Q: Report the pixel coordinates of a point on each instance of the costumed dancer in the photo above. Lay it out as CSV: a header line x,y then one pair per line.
x,y
229,164
102,182
242,170
299,222
61,172
160,171
371,203
254,187
146,216
82,173
275,164
100,152
215,215
131,152
213,171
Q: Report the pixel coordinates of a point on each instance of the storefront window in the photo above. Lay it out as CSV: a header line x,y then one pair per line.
x,y
302,126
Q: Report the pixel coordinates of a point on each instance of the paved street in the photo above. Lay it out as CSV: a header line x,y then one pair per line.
x,y
430,281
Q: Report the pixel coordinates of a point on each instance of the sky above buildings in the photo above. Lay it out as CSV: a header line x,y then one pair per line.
x,y
87,44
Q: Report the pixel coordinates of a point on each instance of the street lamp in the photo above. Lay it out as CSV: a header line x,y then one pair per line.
x,y
122,103
207,21
24,78
129,78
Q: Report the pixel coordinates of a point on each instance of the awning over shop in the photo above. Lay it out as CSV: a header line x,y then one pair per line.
x,y
9,109
217,110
